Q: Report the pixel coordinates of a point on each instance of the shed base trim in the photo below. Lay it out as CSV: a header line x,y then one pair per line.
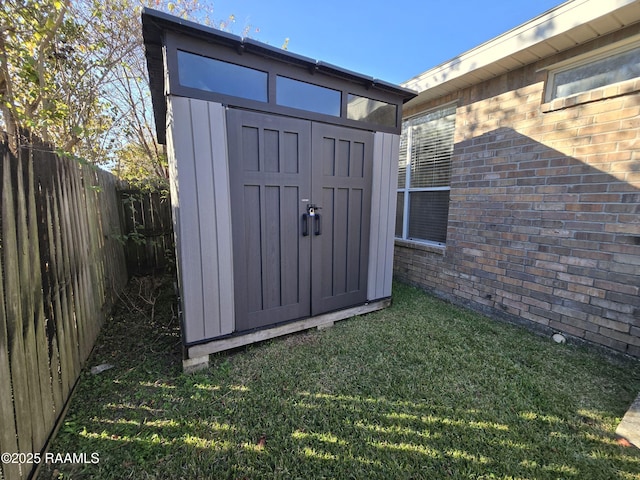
x,y
214,346
629,427
195,364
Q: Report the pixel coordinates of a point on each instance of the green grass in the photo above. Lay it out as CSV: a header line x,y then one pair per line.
x,y
421,390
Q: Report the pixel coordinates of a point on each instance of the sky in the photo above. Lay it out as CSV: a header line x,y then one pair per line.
x,y
383,39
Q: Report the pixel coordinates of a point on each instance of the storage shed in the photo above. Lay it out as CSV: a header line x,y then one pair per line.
x,y
283,184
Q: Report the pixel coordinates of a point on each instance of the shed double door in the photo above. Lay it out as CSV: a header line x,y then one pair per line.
x,y
289,264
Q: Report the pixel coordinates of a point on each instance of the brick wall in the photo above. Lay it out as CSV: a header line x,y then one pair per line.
x,y
544,221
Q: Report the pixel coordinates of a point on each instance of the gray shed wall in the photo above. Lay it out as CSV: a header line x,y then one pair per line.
x,y
383,214
197,148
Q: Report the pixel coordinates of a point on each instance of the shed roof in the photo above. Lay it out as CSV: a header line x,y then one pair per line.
x,y
154,23
567,25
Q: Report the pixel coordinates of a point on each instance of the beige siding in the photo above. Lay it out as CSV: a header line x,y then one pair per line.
x,y
196,141
383,212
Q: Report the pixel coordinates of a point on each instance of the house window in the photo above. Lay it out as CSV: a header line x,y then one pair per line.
x,y
594,72
426,147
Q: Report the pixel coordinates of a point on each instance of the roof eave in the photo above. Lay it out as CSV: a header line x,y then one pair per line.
x,y
495,57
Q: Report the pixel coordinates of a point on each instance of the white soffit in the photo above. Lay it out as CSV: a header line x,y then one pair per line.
x,y
570,24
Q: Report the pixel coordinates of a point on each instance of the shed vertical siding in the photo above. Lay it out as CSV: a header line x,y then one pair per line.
x,y
197,146
383,214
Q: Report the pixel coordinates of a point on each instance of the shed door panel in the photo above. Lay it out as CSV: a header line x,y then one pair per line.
x,y
269,174
342,161
279,165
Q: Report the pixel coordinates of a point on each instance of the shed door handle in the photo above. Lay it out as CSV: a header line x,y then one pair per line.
x,y
318,222
305,225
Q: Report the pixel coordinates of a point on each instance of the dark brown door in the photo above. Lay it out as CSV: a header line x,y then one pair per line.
x,y
287,264
341,171
269,175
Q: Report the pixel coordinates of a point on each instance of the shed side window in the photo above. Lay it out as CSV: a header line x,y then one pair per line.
x,y
426,148
211,75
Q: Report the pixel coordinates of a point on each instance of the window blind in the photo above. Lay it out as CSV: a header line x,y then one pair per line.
x,y
426,148
428,215
402,163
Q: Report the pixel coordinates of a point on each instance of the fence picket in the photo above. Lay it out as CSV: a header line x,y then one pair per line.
x,y
8,433
60,386
43,183
38,319
69,269
66,302
28,311
17,359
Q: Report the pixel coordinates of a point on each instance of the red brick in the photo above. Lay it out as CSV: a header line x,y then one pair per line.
x,y
620,336
610,324
592,292
565,328
606,341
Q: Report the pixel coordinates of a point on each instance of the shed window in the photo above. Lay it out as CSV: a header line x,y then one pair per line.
x,y
307,96
369,110
204,73
426,148
591,74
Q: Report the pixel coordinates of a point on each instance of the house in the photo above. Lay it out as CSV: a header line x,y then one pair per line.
x,y
519,178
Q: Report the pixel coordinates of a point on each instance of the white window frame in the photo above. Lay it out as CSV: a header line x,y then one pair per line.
x,y
603,53
407,190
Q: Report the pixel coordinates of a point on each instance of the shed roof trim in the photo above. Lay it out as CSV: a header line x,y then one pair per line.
x,y
155,21
560,28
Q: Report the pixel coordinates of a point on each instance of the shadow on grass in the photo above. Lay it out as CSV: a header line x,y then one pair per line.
x,y
420,390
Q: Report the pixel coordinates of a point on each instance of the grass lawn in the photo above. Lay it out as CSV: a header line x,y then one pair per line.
x,y
421,390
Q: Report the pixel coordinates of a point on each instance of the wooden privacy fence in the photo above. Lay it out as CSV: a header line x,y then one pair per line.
x,y
149,243
60,265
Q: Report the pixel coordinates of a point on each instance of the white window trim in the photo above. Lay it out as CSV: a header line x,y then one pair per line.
x,y
622,46
407,190
422,113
